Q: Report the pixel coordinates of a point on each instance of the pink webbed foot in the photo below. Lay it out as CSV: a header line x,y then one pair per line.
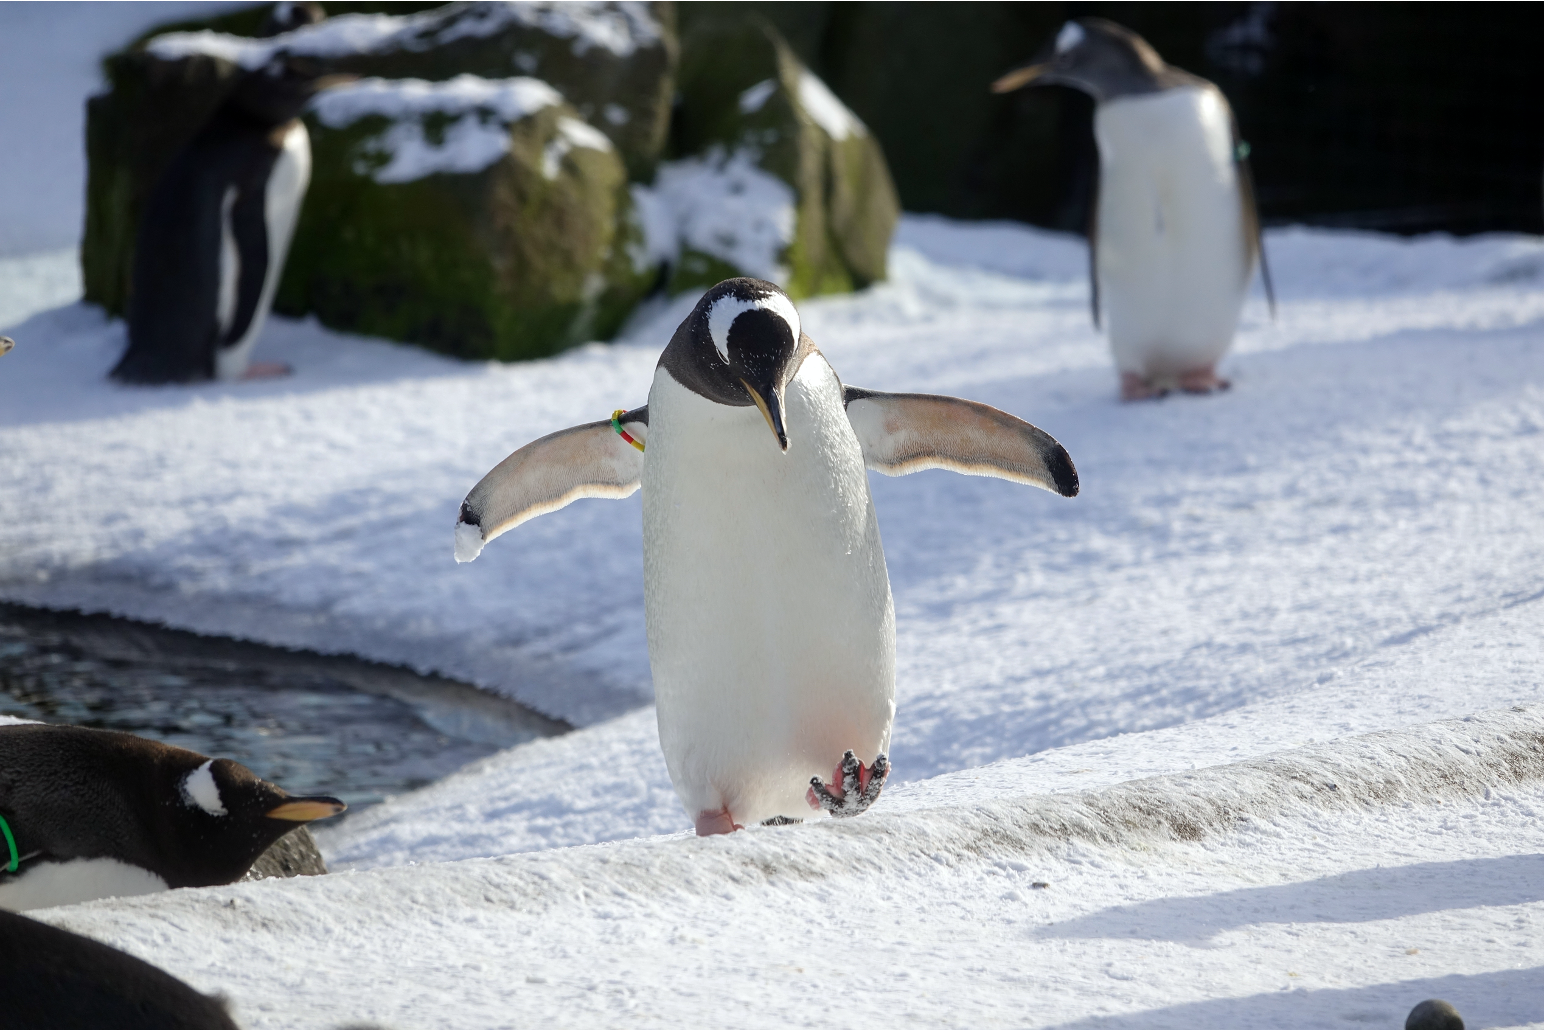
x,y
1136,388
717,821
854,786
1202,380
266,370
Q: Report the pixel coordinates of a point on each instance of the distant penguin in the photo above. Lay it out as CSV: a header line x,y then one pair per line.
x,y
95,813
6,343
770,623
1175,235
215,231
51,979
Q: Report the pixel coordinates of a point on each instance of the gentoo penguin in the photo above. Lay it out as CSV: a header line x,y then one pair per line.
x,y
1174,235
771,629
1434,1014
215,231
95,813
51,979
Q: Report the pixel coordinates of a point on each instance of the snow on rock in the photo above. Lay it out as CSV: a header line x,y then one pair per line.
x,y
1364,871
720,204
478,136
619,27
822,106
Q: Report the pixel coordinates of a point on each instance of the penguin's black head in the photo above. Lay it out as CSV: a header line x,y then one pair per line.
x,y
287,16
741,345
220,817
277,92
1099,57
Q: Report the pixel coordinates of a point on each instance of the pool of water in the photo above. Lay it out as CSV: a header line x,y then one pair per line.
x,y
311,723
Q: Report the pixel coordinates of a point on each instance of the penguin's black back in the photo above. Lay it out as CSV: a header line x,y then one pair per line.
x,y
51,979
173,320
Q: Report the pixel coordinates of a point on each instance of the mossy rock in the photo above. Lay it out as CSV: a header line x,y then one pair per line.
x,y
747,100
517,259
613,61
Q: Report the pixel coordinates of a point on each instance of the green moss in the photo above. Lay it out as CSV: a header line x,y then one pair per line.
x,y
503,263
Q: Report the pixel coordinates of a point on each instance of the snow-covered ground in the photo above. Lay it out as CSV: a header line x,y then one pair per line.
x,y
1347,544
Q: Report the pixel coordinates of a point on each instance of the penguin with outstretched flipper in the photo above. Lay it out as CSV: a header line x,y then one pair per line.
x,y
1175,235
770,622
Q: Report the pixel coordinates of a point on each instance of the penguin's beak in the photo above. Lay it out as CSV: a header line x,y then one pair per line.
x,y
305,810
1020,77
771,406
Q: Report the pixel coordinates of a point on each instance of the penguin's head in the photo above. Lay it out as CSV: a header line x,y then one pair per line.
x,y
741,345
278,91
1099,57
224,816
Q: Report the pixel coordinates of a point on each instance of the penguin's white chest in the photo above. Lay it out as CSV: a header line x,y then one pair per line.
x,y
82,879
771,628
1173,259
283,195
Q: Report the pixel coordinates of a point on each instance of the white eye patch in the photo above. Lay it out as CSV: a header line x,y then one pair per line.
x,y
199,788
729,307
1070,36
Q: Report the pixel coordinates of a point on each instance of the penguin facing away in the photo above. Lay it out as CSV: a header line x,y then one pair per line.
x,y
52,979
97,813
1175,235
770,623
215,231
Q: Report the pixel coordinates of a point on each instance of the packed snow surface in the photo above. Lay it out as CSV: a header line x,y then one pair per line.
x,y
1312,580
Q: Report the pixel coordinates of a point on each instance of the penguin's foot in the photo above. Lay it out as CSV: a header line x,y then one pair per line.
x,y
266,370
716,821
1202,380
854,786
1138,388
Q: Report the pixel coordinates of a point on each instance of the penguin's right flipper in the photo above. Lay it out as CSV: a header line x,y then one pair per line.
x,y
902,433
592,460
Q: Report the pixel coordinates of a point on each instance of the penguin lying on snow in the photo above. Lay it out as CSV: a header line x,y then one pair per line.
x,y
96,813
771,628
215,231
51,979
1175,234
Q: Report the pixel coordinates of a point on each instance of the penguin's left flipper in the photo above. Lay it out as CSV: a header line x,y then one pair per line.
x,y
902,433
592,460
856,786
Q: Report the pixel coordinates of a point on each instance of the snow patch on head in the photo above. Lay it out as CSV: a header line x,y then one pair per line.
x,y
469,541
754,98
199,789
726,309
1070,36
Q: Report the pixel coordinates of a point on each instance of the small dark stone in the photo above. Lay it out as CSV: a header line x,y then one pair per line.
x,y
294,854
1434,1014
1039,885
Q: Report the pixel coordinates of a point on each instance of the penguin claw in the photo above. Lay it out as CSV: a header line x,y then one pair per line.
x,y
855,786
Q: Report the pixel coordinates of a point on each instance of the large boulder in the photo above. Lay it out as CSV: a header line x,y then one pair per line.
x,y
773,176
453,220
482,217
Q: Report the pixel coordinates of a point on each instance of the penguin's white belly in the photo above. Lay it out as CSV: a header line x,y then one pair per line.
x,y
1173,261
82,879
771,628
282,197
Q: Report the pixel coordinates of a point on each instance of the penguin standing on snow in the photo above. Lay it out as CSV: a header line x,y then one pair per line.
x,y
771,628
215,231
1175,234
95,814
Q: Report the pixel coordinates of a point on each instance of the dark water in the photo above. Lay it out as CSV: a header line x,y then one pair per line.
x,y
310,723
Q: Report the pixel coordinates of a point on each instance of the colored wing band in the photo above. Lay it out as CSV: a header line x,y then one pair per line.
x,y
10,842
616,423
